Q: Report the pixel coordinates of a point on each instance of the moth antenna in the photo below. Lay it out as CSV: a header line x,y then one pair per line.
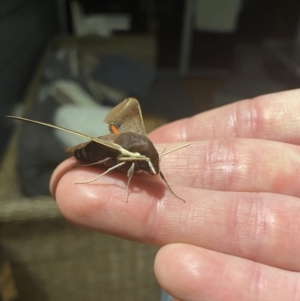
x,y
65,130
164,179
175,149
160,154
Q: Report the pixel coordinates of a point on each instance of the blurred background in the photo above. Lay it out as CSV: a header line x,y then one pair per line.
x,y
204,53
67,63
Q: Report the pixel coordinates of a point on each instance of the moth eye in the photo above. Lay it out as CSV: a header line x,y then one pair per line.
x,y
143,165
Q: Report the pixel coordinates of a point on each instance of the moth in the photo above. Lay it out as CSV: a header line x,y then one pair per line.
x,y
126,147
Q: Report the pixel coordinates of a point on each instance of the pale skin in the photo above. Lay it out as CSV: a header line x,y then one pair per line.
x,y
237,237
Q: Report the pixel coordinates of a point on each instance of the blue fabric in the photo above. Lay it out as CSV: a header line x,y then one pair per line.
x,y
166,297
126,74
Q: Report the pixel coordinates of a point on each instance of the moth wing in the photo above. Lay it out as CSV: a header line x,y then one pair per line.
x,y
105,141
126,117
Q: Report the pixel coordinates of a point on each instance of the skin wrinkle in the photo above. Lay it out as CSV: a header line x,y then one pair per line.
x,y
292,227
207,180
192,164
201,167
272,115
214,127
211,131
186,222
213,160
184,132
220,122
213,169
226,293
281,236
197,169
254,118
242,169
288,282
233,227
160,224
266,225
229,173
194,217
245,227
257,284
290,170
277,113
282,114
233,168
291,230
298,173
257,218
150,217
190,219
178,163
214,222
253,165
296,290
233,122
156,210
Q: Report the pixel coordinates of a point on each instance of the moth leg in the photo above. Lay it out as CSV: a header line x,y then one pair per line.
x,y
107,171
164,179
143,158
130,173
95,163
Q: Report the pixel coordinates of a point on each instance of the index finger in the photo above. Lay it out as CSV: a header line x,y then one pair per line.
x,y
244,224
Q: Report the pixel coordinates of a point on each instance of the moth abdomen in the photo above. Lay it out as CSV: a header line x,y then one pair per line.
x,y
92,152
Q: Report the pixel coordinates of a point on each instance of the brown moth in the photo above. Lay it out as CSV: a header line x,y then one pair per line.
x,y
126,147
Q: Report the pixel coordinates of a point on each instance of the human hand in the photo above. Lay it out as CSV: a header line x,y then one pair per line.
x,y
235,238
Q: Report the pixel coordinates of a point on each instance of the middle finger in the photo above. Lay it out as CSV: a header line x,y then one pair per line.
x,y
250,165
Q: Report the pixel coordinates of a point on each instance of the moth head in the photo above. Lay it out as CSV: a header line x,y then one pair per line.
x,y
142,145
150,165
